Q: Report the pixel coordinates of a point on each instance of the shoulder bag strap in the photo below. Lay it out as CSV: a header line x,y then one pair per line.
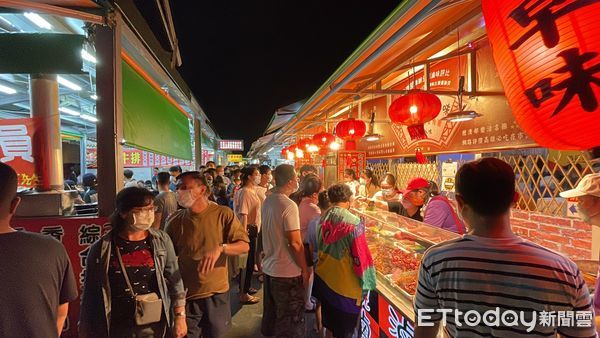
x,y
123,269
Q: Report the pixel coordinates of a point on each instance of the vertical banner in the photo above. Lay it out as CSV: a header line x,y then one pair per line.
x,y
16,148
356,160
77,235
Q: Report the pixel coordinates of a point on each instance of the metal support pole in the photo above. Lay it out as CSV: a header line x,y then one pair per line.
x,y
47,147
82,155
109,112
197,143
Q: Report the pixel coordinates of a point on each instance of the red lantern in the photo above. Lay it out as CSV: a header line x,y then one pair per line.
x,y
414,110
284,152
546,53
351,130
323,140
304,144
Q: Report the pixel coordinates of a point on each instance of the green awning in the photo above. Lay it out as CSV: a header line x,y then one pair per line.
x,y
150,121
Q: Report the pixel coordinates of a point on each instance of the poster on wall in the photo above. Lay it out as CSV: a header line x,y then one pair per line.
x,y
77,235
449,170
16,148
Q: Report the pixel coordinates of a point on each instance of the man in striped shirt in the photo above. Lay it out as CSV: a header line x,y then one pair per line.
x,y
492,283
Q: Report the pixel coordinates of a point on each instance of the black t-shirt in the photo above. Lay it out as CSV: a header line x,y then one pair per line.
x,y
397,207
36,277
138,259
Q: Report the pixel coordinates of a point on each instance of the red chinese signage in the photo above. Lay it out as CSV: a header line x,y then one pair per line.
x,y
16,148
355,160
547,55
134,158
77,235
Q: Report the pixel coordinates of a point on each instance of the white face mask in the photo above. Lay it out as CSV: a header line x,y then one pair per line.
x,y
257,180
186,198
142,220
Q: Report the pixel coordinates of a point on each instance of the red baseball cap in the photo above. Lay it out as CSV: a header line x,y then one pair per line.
x,y
416,184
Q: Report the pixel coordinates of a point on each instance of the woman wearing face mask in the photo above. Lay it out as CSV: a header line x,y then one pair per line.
x,y
133,259
247,206
388,192
369,184
437,210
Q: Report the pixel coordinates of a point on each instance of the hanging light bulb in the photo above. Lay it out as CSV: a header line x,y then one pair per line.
x,y
334,146
299,153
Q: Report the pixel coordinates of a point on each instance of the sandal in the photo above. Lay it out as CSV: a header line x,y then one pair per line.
x,y
252,291
249,300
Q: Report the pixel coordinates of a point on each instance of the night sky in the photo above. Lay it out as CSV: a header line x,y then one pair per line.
x,y
245,59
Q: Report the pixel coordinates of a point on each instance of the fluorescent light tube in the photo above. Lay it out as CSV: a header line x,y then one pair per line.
x,y
7,90
87,56
89,118
69,111
61,80
38,20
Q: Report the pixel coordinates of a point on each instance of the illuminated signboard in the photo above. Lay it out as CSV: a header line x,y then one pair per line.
x,y
231,145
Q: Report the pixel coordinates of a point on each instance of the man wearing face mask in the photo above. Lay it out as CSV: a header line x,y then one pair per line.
x,y
265,181
204,234
438,210
587,193
133,259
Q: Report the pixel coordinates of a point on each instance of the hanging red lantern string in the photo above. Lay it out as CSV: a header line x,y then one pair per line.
x,y
304,144
414,110
351,130
323,141
419,155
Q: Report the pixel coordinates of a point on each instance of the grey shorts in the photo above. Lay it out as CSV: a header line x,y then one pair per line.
x,y
208,317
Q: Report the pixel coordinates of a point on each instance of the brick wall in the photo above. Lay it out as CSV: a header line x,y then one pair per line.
x,y
569,236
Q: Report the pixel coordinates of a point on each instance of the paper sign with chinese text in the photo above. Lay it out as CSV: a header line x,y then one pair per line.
x,y
16,148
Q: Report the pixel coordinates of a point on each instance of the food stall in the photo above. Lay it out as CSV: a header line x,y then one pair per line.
x,y
452,59
397,244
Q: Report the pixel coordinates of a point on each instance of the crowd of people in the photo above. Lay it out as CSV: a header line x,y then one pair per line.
x,y
166,266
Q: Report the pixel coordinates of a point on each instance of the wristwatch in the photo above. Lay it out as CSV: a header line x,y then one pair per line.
x,y
180,314
224,245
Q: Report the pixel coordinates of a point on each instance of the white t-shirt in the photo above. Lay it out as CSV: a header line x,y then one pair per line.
x,y
261,192
279,215
353,185
246,202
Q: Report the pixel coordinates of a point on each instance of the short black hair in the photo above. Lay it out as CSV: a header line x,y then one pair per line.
x,y
8,184
89,180
211,162
486,185
264,169
311,184
175,168
308,167
195,175
127,199
163,178
339,193
283,174
128,173
235,172
370,174
324,203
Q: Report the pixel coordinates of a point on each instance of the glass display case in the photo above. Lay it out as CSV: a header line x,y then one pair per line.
x,y
397,245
